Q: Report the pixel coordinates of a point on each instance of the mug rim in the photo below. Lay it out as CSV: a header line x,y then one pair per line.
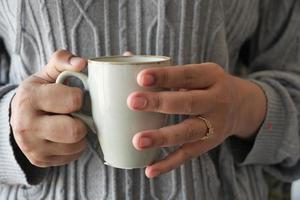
x,y
98,60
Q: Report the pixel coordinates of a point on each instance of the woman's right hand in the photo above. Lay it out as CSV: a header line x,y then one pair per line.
x,y
41,126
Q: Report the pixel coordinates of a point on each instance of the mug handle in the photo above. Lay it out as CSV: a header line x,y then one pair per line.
x,y
85,118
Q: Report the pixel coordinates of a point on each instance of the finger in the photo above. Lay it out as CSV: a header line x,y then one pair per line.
x,y
179,157
60,61
172,102
56,98
49,161
190,130
63,160
61,129
127,53
61,149
187,76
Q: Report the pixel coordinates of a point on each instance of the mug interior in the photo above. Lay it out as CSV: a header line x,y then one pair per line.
x,y
136,59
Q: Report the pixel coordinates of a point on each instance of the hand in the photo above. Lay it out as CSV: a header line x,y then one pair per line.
x,y
42,128
232,105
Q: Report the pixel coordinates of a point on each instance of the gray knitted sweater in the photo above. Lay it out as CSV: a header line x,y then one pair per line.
x,y
258,39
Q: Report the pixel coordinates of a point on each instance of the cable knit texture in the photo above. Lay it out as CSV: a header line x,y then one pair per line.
x,y
259,39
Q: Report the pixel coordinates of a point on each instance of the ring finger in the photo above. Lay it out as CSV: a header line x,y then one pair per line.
x,y
61,149
189,130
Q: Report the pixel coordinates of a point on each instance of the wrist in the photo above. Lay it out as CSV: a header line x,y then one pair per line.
x,y
251,108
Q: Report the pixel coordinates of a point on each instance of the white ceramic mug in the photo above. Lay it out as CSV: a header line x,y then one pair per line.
x,y
110,80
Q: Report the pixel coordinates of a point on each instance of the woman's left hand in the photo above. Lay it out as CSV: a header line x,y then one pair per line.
x,y
232,105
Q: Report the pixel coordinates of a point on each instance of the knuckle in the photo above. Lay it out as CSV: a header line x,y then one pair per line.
x,y
221,98
158,103
215,97
191,135
22,90
22,97
56,56
189,104
177,136
193,103
190,130
19,126
163,138
189,76
216,68
23,101
164,77
213,65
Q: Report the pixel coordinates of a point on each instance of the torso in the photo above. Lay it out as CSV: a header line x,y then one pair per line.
x,y
190,31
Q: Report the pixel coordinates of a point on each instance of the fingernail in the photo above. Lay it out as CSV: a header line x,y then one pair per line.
x,y
76,60
145,142
139,102
147,80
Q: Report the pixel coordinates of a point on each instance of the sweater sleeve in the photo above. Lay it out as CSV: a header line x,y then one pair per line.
x,y
14,166
274,64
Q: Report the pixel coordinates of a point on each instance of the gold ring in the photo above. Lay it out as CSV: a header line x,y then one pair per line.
x,y
210,128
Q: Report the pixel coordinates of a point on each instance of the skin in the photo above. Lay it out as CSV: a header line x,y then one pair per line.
x,y
235,107
41,126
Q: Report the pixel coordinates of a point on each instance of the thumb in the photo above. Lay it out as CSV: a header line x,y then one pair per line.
x,y
60,61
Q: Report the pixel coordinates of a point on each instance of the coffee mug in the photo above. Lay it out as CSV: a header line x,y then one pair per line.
x,y
110,81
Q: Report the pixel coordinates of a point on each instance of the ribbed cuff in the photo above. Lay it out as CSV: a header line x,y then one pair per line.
x,y
264,148
10,170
